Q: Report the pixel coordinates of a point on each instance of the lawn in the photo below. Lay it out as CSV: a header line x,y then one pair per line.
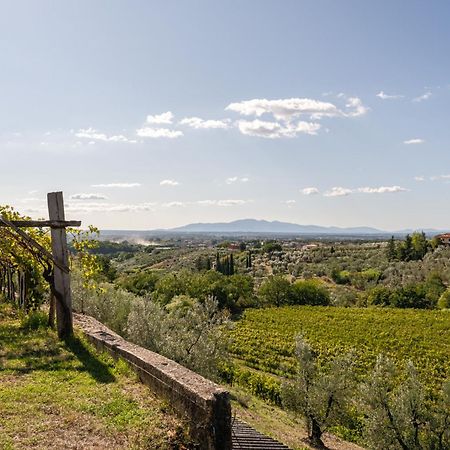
x,y
57,395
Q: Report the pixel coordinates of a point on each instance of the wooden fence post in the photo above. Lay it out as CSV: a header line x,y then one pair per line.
x,y
63,294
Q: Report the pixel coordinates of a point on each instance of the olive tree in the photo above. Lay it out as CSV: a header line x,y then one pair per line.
x,y
321,395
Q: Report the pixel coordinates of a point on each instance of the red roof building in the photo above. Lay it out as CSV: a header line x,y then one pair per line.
x,y
444,238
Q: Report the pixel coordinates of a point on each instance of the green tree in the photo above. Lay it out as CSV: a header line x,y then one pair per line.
x,y
321,397
309,292
420,245
276,290
271,246
391,251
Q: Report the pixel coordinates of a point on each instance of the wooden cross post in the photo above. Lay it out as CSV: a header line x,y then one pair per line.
x,y
64,318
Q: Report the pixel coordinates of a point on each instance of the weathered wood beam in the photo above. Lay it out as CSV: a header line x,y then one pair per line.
x,y
43,223
25,237
61,278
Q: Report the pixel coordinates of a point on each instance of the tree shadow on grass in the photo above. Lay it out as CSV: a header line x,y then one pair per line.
x,y
37,350
100,371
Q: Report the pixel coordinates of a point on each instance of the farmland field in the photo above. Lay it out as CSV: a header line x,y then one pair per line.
x,y
264,338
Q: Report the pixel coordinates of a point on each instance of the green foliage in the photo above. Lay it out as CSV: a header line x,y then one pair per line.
x,y
232,292
263,386
444,300
189,332
309,292
399,415
321,396
108,304
139,283
225,264
276,290
33,320
271,247
263,338
413,248
18,259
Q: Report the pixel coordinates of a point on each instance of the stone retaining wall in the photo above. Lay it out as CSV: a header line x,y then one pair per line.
x,y
205,405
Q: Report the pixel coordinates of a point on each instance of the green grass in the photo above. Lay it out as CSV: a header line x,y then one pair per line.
x,y
264,338
57,394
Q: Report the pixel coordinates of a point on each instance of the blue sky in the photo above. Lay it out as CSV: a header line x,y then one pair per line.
x,y
153,114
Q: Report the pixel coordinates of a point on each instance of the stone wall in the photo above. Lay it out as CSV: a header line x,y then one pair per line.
x,y
205,405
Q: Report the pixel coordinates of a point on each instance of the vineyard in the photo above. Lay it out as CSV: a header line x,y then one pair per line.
x,y
264,340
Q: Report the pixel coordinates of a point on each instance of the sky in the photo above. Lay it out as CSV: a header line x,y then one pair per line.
x,y
155,114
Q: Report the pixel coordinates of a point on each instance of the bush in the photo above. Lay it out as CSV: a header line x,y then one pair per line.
x,y
444,300
141,283
276,290
34,320
309,292
188,331
107,303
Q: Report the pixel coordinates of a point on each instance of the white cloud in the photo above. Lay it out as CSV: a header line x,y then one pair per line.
x,y
419,178
284,109
381,190
174,204
198,123
231,180
231,202
273,130
164,118
91,133
422,97
356,107
287,109
88,197
109,207
289,203
158,133
116,185
338,191
413,141
169,183
309,191
385,96
440,177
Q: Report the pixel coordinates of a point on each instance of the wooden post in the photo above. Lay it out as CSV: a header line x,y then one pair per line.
x,y
63,294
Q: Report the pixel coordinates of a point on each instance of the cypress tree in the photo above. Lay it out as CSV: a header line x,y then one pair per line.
x,y
391,250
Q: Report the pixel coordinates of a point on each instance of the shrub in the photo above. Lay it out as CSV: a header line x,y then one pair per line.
x,y
34,320
309,292
188,331
444,300
276,290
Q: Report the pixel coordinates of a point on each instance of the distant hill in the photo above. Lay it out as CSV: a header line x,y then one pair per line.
x,y
253,227
265,226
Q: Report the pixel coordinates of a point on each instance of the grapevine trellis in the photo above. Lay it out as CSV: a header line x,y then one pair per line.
x,y
20,250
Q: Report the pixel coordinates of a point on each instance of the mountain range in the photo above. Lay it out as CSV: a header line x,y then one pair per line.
x,y
254,226
265,226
